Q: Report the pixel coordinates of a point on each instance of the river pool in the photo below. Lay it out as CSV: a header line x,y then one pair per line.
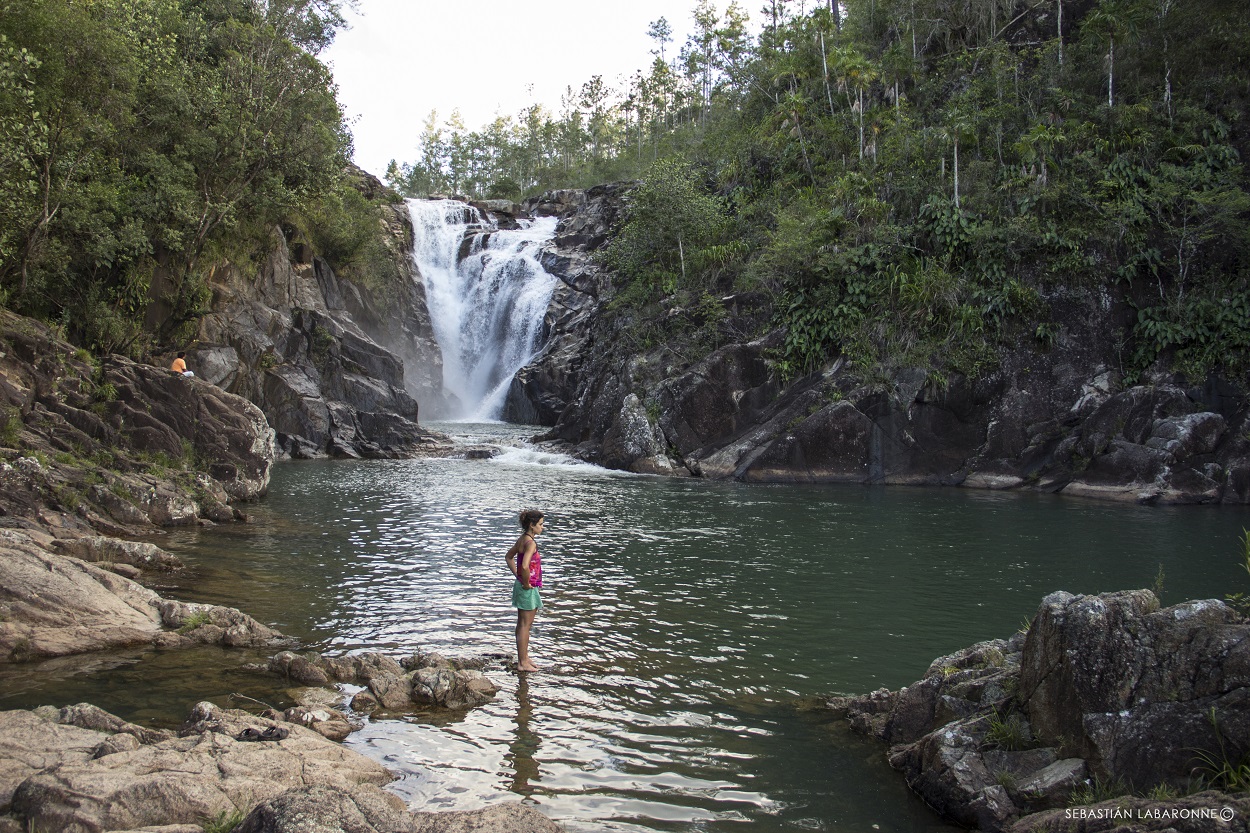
x,y
689,626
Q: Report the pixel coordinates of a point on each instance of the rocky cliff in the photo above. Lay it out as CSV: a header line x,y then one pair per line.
x,y
1060,419
1108,714
339,368
111,446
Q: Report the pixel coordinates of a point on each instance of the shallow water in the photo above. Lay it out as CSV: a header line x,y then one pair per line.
x,y
687,624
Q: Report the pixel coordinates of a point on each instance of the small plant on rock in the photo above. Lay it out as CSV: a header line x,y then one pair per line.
x,y
10,427
1240,601
1163,792
1218,768
1096,790
195,620
224,822
1011,733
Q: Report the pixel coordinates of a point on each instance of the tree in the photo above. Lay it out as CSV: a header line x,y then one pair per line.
x,y
1106,21
661,32
667,216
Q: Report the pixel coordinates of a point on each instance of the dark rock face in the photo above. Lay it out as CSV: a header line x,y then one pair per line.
x,y
1059,419
337,368
1107,687
1134,686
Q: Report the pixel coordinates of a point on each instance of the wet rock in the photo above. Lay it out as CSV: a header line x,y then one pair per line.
x,y
363,702
452,689
316,697
327,810
392,691
215,625
427,679
98,548
298,669
327,722
1107,687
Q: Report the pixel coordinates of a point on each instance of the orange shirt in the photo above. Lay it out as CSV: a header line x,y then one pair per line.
x,y
179,366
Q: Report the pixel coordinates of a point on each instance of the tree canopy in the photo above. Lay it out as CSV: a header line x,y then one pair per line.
x,y
144,140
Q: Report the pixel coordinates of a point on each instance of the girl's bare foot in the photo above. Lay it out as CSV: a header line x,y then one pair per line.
x,y
526,666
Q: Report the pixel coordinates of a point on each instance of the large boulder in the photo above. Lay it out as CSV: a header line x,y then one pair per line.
x,y
1136,689
1107,689
205,773
51,605
54,605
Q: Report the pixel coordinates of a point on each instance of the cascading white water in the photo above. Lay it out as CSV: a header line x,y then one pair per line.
x,y
487,295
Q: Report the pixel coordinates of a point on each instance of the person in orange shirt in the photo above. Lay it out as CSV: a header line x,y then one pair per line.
x,y
179,365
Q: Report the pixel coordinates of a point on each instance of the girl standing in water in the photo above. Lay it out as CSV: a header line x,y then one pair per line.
x,y
526,564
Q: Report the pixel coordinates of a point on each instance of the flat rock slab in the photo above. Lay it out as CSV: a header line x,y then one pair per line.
x,y
83,781
53,605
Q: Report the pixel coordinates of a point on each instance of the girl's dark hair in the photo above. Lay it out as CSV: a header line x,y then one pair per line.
x,y
529,517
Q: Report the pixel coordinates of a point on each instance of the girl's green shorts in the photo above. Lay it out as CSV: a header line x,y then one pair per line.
x,y
523,599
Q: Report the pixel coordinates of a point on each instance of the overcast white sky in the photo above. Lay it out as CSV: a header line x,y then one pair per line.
x,y
403,58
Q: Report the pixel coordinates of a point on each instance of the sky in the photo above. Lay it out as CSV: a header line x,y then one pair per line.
x,y
403,58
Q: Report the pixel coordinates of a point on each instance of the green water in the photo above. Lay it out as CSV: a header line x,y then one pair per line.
x,y
687,624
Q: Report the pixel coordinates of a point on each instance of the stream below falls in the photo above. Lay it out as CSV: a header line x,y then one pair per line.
x,y
689,626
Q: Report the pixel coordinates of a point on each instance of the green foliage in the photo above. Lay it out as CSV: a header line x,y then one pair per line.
x,y
1096,790
910,183
321,344
10,427
1011,733
1241,601
142,139
347,230
1222,768
671,231
224,822
196,620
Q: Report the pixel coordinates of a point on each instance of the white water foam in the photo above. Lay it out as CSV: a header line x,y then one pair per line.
x,y
487,306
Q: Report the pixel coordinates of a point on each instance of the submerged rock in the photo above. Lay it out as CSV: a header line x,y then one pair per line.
x,y
424,679
330,810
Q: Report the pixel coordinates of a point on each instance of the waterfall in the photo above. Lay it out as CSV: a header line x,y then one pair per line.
x,y
487,295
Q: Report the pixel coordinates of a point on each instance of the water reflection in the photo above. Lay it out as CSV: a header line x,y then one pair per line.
x,y
522,755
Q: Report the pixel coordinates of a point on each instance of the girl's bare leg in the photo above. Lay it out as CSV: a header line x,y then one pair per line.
x,y
524,620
